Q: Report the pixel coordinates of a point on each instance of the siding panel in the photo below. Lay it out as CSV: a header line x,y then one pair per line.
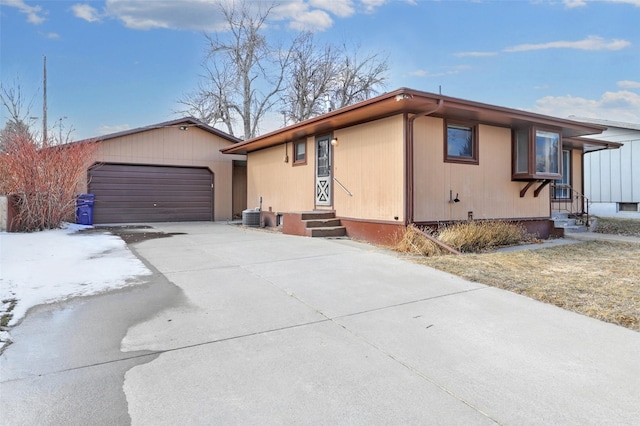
x,y
485,189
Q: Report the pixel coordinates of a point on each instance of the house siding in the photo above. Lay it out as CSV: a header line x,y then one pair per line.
x,y
172,147
610,175
369,162
282,186
485,189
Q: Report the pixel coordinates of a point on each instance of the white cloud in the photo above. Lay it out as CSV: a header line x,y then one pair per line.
x,y
301,17
628,84
423,73
475,54
106,129
204,15
631,2
314,20
341,8
371,5
199,15
570,4
623,106
86,12
589,43
52,36
448,71
34,13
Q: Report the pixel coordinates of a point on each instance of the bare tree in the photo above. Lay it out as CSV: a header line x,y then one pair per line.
x,y
247,77
18,111
326,77
358,78
244,73
310,79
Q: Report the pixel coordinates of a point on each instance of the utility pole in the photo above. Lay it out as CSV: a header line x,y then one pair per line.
x,y
44,103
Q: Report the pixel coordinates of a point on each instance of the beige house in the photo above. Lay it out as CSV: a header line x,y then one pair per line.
x,y
414,157
171,171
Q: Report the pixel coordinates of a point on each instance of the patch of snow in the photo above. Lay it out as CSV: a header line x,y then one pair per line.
x,y
54,265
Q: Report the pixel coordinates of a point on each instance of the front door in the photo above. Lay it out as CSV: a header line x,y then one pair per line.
x,y
323,171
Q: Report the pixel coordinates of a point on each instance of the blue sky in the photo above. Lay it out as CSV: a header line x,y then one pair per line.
x,y
118,64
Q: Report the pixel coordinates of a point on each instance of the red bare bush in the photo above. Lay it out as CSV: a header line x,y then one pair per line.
x,y
43,181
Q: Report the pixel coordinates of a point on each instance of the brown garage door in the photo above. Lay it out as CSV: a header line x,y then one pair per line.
x,y
139,193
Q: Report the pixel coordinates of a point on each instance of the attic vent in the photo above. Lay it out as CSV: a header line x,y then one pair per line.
x,y
251,217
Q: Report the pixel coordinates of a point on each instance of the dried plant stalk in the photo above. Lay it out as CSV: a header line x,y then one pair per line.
x,y
43,182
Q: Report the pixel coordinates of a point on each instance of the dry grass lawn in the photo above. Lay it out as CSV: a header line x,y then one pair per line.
x,y
628,227
598,279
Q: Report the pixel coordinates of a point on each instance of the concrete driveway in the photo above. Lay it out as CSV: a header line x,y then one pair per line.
x,y
252,327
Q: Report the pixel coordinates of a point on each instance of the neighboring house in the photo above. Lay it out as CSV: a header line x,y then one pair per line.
x,y
415,157
612,178
171,171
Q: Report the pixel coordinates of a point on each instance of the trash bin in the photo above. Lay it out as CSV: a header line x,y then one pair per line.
x,y
84,209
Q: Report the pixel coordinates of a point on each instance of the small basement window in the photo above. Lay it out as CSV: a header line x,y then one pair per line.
x,y
537,154
461,143
627,207
299,153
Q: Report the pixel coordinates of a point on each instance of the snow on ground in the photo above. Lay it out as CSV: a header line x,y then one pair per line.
x,y
54,265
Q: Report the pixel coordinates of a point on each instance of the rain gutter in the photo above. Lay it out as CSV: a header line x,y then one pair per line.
x,y
410,175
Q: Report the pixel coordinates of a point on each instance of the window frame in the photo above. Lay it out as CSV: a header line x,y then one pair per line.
x,y
294,146
532,173
475,155
626,207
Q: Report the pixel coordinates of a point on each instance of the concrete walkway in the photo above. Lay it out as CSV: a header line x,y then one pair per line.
x,y
572,238
595,236
275,329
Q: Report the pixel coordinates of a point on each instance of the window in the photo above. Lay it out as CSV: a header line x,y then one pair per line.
x,y
299,153
547,148
627,207
522,151
563,186
461,143
536,154
322,158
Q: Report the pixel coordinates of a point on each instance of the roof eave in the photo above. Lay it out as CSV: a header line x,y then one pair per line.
x,y
189,121
410,101
590,145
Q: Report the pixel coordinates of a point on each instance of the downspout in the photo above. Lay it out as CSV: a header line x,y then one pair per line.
x,y
410,174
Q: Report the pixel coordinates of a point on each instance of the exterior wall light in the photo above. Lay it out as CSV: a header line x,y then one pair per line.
x,y
184,127
334,142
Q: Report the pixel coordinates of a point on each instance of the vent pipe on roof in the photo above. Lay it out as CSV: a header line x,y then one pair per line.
x,y
327,103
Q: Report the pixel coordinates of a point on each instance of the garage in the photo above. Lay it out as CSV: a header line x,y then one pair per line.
x,y
134,193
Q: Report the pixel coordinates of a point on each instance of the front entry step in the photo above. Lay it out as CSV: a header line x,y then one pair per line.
x,y
323,224
327,231
566,223
313,224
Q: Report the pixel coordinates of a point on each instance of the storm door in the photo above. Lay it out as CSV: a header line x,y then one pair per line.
x,y
323,171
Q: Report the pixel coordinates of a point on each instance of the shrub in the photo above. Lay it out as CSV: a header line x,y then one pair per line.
x,y
466,237
412,241
43,180
476,236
